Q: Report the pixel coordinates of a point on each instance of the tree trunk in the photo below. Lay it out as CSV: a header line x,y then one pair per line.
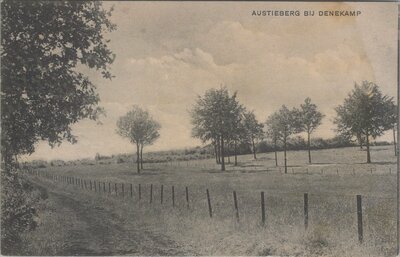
x,y
394,141
219,149
235,153
284,154
138,157
368,152
284,148
216,152
228,152
276,153
222,154
141,156
8,160
254,149
309,147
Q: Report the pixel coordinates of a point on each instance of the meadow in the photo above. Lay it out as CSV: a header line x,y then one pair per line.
x,y
332,183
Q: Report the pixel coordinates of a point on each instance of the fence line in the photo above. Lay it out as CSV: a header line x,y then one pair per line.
x,y
96,186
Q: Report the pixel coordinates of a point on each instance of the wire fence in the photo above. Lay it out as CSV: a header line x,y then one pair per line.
x,y
242,204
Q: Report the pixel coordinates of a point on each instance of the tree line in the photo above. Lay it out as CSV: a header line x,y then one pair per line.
x,y
218,118
42,92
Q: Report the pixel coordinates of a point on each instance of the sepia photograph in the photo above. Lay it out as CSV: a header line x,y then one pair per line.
x,y
200,128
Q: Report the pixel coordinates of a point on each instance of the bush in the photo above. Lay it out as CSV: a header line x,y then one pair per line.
x,y
18,199
319,143
296,143
299,143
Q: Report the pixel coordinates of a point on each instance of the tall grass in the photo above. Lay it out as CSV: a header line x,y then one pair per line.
x,y
332,230
332,227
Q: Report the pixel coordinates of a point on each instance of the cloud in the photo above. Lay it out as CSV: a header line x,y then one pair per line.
x,y
164,63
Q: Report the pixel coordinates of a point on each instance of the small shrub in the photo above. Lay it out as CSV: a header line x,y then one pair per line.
x,y
18,199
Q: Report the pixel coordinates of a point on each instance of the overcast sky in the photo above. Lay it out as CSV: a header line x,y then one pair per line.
x,y
169,52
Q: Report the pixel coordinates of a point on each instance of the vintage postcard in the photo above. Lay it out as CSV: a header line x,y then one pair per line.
x,y
210,128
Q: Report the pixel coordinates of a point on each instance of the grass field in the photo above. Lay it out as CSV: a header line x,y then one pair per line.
x,y
332,182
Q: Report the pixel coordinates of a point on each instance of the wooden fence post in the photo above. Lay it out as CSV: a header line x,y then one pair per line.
x,y
131,191
109,188
123,189
140,192
90,184
94,184
151,193
116,189
262,209
236,206
359,219
161,194
104,187
209,203
187,196
306,211
173,196
85,183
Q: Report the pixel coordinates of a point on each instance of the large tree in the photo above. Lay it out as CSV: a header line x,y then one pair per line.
x,y
140,128
239,135
364,113
310,119
43,91
45,47
273,132
151,136
281,125
253,130
392,120
214,117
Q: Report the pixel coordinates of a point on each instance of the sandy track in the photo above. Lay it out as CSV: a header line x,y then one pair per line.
x,y
101,232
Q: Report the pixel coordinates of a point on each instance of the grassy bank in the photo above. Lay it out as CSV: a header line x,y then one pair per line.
x,y
332,227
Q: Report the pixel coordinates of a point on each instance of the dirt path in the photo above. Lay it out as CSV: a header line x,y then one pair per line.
x,y
101,232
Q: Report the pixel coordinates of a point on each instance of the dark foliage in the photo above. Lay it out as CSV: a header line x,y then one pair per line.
x,y
45,44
